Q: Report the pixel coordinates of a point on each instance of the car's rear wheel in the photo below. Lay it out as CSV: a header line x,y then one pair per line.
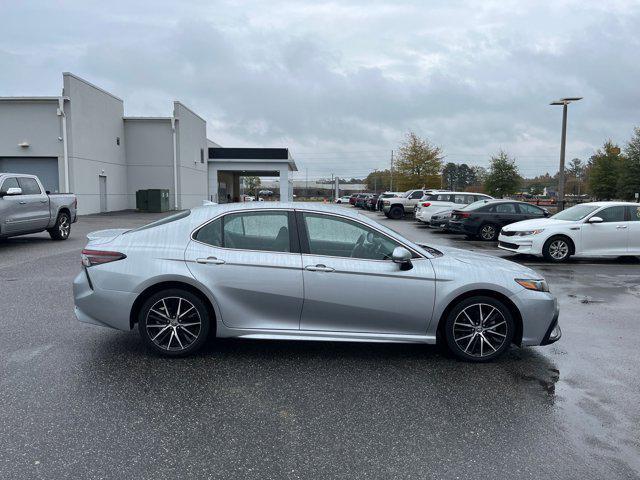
x,y
557,249
174,322
489,232
62,228
396,212
479,329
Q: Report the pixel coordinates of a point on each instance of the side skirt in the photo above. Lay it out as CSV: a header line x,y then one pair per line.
x,y
313,335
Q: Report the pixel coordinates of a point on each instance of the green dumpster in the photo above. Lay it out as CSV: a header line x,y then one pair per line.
x,y
142,200
158,200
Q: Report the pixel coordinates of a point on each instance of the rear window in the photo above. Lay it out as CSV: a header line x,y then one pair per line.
x,y
29,186
163,221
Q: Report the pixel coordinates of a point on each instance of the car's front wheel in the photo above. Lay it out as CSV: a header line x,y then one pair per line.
x,y
556,249
479,329
174,322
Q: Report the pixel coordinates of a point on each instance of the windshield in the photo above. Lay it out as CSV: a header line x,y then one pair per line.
x,y
575,213
163,221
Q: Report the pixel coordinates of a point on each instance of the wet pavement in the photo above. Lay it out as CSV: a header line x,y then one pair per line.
x,y
86,402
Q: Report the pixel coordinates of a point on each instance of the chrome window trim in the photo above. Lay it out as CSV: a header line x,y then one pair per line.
x,y
193,232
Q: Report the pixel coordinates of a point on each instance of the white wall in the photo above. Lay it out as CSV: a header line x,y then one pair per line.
x,y
149,153
94,123
191,137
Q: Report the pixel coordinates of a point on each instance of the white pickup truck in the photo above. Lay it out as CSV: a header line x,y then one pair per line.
x,y
396,207
25,207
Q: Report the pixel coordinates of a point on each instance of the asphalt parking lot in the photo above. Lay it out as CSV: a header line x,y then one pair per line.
x,y
80,401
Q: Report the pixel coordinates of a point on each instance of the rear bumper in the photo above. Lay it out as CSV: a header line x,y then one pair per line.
x,y
107,308
459,227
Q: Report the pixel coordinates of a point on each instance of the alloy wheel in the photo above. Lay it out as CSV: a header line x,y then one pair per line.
x,y
63,226
173,323
488,232
480,330
558,249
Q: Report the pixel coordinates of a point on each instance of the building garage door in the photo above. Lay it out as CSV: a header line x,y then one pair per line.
x,y
46,168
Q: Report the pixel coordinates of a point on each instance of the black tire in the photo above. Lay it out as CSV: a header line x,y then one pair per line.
x,y
557,249
62,228
396,212
489,232
471,343
190,337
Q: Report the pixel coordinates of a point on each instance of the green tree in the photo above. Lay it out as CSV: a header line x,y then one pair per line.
x,y
629,173
604,171
574,177
251,184
378,181
418,164
503,177
450,176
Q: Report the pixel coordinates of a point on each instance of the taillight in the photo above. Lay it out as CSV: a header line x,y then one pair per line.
x,y
426,204
464,215
75,203
99,257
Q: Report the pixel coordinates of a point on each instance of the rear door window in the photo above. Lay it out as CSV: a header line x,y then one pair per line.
x,y
505,208
528,209
29,186
263,231
612,214
634,213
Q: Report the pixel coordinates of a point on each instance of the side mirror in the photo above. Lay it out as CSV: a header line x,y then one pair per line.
x,y
546,212
595,220
402,256
12,191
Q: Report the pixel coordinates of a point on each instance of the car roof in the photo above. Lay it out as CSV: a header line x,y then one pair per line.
x,y
207,211
609,204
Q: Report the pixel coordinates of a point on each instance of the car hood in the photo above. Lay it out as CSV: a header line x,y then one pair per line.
x,y
100,237
534,224
488,262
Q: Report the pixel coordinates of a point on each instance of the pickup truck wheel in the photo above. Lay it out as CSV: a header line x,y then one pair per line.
x,y
396,212
62,228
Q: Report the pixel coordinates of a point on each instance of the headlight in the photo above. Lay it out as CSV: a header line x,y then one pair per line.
x,y
387,202
529,232
532,284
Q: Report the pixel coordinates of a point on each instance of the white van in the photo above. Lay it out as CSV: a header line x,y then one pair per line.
x,y
439,201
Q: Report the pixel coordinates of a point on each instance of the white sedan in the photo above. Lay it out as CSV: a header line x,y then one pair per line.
x,y
596,229
441,201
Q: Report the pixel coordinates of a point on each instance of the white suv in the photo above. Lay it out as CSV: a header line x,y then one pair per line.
x,y
437,202
396,207
591,229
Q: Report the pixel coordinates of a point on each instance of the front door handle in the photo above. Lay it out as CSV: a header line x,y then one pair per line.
x,y
22,202
619,227
210,261
319,268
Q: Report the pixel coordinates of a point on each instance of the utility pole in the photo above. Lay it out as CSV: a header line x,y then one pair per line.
x,y
563,144
306,182
391,170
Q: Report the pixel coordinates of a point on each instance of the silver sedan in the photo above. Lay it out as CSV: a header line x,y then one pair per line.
x,y
305,272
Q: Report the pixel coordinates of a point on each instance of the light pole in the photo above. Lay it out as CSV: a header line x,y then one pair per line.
x,y
563,144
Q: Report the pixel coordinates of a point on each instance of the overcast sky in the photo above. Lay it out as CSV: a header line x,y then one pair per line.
x,y
341,83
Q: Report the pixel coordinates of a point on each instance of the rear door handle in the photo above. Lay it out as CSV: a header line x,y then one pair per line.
x,y
621,227
22,202
319,268
210,261
44,201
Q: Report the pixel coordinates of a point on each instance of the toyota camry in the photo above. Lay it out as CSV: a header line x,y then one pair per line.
x,y
305,272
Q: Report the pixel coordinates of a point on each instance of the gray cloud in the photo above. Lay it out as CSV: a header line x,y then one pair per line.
x,y
340,83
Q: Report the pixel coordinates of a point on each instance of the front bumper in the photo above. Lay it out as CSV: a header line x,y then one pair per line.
x,y
107,308
528,245
539,312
